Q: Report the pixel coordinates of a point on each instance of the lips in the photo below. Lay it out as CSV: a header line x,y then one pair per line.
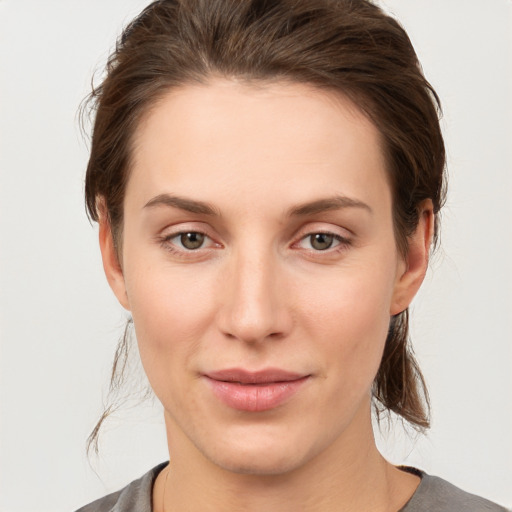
x,y
255,391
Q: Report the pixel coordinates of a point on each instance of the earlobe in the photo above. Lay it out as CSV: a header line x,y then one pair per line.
x,y
111,264
415,264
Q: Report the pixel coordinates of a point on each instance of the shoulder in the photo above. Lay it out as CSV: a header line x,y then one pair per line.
x,y
134,497
437,494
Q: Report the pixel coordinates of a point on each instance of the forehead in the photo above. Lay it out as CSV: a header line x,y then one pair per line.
x,y
289,141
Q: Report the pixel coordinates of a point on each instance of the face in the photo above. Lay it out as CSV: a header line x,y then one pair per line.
x,y
261,270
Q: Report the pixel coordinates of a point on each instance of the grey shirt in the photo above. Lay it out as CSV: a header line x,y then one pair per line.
x,y
432,495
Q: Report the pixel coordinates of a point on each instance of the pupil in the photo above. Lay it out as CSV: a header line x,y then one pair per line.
x,y
192,240
321,241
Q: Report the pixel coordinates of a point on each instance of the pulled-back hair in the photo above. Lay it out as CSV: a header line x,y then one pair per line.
x,y
347,46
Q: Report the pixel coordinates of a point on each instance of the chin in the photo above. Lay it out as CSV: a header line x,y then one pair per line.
x,y
272,456
260,464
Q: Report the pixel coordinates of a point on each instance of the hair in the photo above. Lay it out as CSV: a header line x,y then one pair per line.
x,y
350,47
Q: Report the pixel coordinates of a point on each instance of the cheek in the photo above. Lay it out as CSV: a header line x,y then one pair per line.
x,y
165,297
171,311
349,318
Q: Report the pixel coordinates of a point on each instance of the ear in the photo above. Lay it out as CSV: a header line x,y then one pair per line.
x,y
413,267
111,264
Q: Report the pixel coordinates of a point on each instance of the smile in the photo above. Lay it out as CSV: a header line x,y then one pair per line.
x,y
255,391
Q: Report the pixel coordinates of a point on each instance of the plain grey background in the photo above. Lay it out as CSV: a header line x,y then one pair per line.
x,y
59,322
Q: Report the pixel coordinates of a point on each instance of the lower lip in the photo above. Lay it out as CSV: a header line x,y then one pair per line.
x,y
255,397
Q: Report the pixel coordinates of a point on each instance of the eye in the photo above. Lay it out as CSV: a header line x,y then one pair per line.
x,y
187,240
192,240
322,241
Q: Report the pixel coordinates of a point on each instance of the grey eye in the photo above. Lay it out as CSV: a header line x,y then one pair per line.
x,y
192,240
321,241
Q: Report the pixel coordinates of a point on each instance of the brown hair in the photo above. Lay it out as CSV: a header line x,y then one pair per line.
x,y
348,46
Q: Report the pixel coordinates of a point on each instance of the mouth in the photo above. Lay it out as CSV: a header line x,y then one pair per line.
x,y
255,391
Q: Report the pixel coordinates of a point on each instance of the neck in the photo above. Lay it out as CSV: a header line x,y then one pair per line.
x,y
349,475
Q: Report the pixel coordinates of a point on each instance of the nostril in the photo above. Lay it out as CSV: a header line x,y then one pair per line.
x,y
250,307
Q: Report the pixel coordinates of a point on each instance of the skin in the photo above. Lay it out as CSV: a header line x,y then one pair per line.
x,y
258,294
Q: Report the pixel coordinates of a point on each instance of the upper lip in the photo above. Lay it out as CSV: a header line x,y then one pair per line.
x,y
267,375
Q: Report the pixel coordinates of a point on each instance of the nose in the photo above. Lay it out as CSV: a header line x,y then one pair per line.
x,y
254,305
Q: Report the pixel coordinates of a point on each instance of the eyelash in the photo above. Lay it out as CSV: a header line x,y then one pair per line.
x,y
165,242
343,243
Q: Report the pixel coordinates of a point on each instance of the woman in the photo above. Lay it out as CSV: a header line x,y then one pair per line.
x,y
267,179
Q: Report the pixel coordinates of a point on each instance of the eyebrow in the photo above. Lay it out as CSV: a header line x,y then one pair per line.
x,y
310,208
331,203
183,203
